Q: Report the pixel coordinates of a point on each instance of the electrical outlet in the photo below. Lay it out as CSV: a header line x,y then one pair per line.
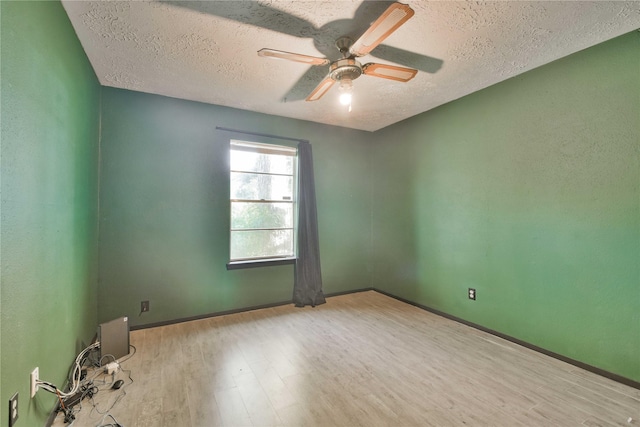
x,y
13,409
144,306
35,376
472,294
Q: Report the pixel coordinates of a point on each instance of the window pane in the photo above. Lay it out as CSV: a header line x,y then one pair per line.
x,y
262,193
261,243
250,186
261,162
261,215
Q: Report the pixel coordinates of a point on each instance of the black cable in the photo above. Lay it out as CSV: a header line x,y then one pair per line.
x,y
88,388
118,399
130,354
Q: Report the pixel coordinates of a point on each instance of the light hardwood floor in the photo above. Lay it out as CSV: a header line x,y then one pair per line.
x,y
362,359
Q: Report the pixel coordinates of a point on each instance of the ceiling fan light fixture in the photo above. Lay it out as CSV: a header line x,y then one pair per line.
x,y
346,92
345,98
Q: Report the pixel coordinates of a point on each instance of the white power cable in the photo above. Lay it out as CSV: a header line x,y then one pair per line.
x,y
75,376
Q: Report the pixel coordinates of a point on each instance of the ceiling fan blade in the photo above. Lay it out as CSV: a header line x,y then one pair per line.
x,y
305,84
392,18
321,89
392,72
296,57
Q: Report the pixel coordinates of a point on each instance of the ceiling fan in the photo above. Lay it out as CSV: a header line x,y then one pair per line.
x,y
347,69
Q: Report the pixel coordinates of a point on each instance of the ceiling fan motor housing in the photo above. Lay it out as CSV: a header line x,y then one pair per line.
x,y
347,68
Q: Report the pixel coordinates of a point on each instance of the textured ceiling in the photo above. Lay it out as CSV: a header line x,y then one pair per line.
x,y
206,51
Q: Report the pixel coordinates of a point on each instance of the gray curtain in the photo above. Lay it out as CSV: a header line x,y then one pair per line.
x,y
307,287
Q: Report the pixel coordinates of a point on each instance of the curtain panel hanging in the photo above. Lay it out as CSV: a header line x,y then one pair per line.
x,y
307,287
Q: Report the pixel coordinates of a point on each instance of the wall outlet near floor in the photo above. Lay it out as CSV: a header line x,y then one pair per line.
x,y
35,376
13,409
472,294
144,306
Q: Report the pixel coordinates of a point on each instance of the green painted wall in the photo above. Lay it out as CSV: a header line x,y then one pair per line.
x,y
49,141
165,212
528,191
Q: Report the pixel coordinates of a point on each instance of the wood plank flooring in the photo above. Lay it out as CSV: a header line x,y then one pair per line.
x,y
362,359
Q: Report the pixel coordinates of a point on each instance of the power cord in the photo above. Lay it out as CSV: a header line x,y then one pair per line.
x,y
70,402
75,375
102,424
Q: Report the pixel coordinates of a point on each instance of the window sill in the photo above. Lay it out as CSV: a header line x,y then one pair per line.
x,y
238,265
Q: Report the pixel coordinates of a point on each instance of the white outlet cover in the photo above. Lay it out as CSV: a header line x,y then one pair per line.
x,y
13,409
35,376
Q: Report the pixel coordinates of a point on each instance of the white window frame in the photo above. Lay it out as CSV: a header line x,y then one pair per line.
x,y
259,147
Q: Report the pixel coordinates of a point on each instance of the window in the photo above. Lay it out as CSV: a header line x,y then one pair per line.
x,y
263,205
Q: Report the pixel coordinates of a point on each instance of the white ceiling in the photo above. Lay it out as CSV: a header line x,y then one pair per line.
x,y
206,51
